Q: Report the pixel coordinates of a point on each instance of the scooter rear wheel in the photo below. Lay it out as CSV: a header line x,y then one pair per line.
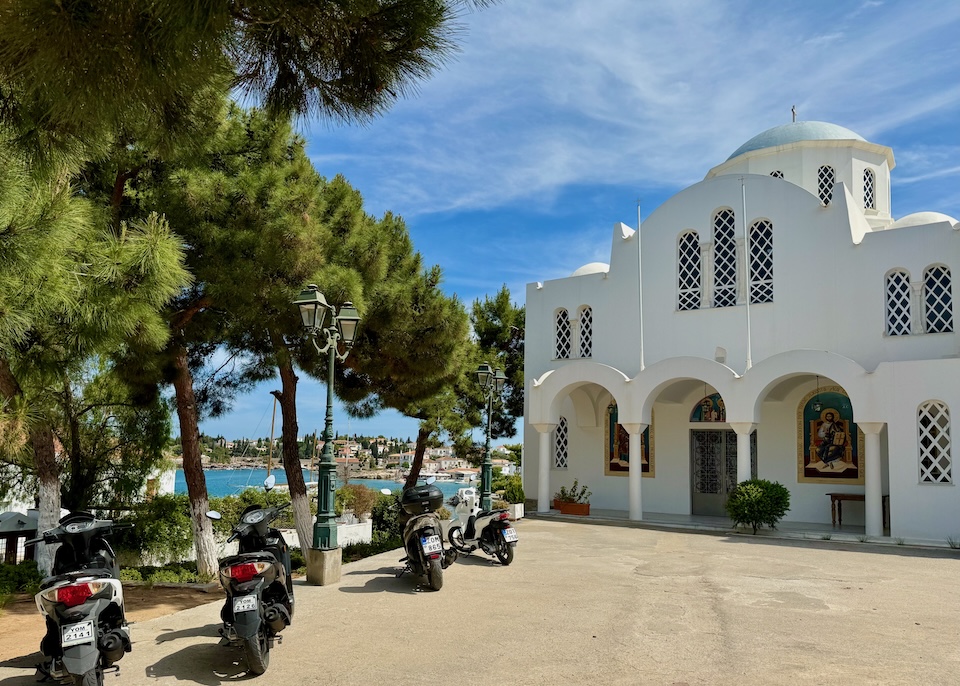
x,y
435,574
257,651
92,678
504,551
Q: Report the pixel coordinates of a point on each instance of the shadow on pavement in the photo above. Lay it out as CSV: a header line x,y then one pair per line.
x,y
477,560
825,543
23,662
209,630
387,582
208,663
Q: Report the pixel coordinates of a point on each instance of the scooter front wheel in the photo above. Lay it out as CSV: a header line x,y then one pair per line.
x,y
455,536
92,678
257,651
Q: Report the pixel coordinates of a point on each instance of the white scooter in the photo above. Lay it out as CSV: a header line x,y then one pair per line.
x,y
472,528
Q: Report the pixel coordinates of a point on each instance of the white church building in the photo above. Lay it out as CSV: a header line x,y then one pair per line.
x,y
772,321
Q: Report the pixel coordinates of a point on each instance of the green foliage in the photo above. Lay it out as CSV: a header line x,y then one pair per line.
x,y
130,574
576,494
173,573
161,529
444,513
357,497
231,507
758,502
20,578
385,515
500,505
511,487
380,544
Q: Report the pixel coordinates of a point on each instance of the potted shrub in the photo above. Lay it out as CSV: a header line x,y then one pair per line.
x,y
575,501
514,495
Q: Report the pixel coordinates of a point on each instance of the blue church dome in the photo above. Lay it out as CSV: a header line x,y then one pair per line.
x,y
795,132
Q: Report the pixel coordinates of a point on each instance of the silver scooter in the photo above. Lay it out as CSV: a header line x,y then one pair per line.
x,y
472,528
423,535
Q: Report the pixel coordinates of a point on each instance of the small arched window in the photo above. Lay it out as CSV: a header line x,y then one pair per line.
x,y
560,445
586,331
826,178
563,334
777,174
937,299
869,190
761,262
724,259
689,271
899,319
933,428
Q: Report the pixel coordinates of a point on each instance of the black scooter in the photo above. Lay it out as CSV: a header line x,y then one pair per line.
x,y
258,583
423,535
82,602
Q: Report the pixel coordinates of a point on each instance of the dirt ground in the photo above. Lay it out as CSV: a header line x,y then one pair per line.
x,y
22,626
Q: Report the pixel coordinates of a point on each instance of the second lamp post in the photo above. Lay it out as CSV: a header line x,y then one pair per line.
x,y
490,382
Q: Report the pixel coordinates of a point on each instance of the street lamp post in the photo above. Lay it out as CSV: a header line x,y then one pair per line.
x,y
342,328
489,381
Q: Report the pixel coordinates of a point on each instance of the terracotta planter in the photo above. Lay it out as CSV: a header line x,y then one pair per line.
x,y
581,509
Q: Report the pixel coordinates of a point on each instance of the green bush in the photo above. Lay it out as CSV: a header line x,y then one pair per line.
x,y
357,497
576,494
20,578
500,505
758,502
385,515
513,490
130,574
231,506
161,529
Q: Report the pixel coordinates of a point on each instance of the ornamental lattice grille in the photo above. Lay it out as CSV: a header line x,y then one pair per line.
x,y
724,260
586,332
898,304
777,174
826,178
563,335
938,300
690,273
761,262
560,445
869,193
933,422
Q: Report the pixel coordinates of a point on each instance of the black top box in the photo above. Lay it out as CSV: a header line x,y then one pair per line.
x,y
420,499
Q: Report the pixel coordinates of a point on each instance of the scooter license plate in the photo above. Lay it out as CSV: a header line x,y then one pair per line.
x,y
244,603
510,535
74,634
431,544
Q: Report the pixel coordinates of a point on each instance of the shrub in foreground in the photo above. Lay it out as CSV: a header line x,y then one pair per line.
x,y
758,502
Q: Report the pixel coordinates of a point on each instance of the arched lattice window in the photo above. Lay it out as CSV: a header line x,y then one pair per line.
x,y
761,262
937,299
777,174
826,178
689,271
563,334
724,259
869,189
560,445
933,426
898,303
586,331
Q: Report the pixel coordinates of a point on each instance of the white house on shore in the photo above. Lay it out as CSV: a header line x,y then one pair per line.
x,y
771,321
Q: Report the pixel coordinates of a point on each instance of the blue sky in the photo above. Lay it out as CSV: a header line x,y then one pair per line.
x,y
513,162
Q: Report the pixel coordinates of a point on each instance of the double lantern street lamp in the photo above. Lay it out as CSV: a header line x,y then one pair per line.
x,y
489,381
342,328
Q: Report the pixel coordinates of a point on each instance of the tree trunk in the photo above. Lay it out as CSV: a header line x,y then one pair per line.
x,y
48,477
76,495
291,450
203,539
422,435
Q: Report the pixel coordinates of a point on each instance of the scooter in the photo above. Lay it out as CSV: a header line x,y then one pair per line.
x,y
82,603
258,583
472,528
422,534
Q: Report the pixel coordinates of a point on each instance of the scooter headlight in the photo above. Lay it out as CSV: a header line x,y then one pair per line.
x,y
74,594
246,571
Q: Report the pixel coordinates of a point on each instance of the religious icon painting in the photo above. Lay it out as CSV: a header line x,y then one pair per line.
x,y
829,445
710,409
617,445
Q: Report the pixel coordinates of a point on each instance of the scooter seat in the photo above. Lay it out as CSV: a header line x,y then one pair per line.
x,y
74,575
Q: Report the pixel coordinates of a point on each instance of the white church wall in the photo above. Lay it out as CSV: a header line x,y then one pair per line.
x,y
669,491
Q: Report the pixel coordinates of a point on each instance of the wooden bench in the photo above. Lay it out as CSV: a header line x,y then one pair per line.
x,y
836,506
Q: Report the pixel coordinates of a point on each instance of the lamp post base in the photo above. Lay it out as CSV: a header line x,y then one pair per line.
x,y
323,566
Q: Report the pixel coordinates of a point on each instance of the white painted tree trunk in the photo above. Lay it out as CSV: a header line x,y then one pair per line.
x,y
303,521
204,541
49,515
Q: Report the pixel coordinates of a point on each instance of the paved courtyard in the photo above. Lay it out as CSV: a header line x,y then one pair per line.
x,y
589,604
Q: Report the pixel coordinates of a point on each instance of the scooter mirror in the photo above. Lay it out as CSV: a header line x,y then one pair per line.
x,y
213,514
386,491
431,479
270,482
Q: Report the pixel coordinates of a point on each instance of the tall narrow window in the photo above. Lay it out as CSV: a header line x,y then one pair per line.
x,y
869,190
761,262
777,174
586,331
826,178
898,303
724,259
563,334
560,445
937,299
933,425
689,272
